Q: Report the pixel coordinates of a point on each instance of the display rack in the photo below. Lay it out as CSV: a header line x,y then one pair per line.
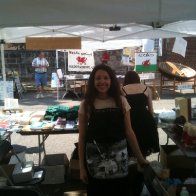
x,y
174,84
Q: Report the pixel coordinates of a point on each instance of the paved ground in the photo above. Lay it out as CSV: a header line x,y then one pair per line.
x,y
65,143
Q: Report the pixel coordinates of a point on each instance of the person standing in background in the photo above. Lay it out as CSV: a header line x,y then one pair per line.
x,y
144,125
40,64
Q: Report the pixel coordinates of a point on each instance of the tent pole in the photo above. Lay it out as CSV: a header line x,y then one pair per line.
x,y
65,62
3,69
57,66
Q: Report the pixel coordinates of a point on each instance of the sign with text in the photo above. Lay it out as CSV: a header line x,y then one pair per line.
x,y
145,61
80,61
147,76
184,86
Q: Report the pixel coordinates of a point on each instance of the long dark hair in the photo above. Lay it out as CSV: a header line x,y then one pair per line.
x,y
91,93
131,77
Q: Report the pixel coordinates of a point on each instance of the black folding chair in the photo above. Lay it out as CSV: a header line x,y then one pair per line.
x,y
7,148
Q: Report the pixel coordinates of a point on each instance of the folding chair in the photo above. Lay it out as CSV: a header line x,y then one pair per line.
x,y
7,149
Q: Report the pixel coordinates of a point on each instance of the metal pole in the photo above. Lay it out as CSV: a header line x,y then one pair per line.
x,y
3,70
65,60
66,68
57,66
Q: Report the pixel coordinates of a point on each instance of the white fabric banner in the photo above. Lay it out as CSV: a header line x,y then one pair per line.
x,y
180,46
80,60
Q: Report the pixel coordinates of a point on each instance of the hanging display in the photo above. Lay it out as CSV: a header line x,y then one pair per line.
x,y
80,60
145,62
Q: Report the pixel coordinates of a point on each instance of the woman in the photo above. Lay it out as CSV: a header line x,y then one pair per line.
x,y
142,121
139,98
104,123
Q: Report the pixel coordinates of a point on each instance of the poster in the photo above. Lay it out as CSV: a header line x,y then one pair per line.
x,y
180,45
147,76
145,62
80,60
9,88
128,57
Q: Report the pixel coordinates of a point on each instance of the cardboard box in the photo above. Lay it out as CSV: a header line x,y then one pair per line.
x,y
54,174
172,157
53,161
179,165
184,105
74,164
56,159
74,169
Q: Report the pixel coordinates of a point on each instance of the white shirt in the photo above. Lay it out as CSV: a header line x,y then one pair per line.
x,y
37,62
105,103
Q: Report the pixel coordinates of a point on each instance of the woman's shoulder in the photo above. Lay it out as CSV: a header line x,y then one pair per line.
x,y
135,88
81,108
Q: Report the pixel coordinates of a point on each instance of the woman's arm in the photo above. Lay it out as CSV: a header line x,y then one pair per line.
x,y
132,140
82,136
122,90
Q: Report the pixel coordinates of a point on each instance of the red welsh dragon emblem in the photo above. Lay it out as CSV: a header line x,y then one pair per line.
x,y
146,63
81,60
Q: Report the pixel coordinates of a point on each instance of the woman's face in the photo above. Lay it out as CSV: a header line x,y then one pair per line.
x,y
102,82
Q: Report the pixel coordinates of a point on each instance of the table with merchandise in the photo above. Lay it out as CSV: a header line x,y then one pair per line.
x,y
44,129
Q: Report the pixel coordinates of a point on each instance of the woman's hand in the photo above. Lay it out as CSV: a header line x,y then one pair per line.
x,y
143,162
83,176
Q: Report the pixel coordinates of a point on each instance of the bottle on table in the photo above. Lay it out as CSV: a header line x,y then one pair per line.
x,y
184,191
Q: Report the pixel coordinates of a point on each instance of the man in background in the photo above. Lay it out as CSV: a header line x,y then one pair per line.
x,y
40,64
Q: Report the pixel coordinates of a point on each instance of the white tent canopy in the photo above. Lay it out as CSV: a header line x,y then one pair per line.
x,y
91,20
18,13
101,32
99,36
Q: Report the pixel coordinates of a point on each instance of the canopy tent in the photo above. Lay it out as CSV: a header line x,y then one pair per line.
x,y
15,13
92,20
99,36
100,33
